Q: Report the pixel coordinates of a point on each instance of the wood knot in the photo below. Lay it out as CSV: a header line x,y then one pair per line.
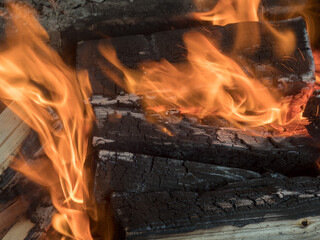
x,y
304,223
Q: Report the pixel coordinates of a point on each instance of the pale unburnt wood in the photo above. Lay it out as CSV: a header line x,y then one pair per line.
x,y
19,230
10,214
13,131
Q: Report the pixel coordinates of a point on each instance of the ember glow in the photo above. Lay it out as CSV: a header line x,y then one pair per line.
x,y
211,84
52,99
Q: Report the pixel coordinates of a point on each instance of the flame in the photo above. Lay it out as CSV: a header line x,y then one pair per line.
x,y
231,11
235,11
52,99
210,84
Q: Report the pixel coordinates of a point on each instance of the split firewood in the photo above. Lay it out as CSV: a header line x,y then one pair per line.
x,y
19,196
10,213
262,209
13,135
13,132
122,126
26,217
41,216
19,230
13,184
128,172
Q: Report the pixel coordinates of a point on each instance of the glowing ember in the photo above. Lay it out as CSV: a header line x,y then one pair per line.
x,y
52,99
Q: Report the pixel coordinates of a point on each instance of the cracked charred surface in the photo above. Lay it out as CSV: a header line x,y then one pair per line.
x,y
128,172
122,126
254,209
312,113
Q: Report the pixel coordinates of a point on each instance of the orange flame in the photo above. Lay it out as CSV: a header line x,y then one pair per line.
x,y
211,84
52,99
208,85
235,11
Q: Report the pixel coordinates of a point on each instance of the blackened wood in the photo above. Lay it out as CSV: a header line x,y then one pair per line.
x,y
77,20
41,215
128,172
311,112
122,126
283,9
262,209
291,77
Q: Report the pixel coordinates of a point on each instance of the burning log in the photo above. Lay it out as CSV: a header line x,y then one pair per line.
x,y
266,208
122,126
293,77
312,113
128,172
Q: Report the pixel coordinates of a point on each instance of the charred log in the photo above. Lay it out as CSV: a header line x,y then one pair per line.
x,y
294,78
122,126
312,113
249,210
71,21
128,172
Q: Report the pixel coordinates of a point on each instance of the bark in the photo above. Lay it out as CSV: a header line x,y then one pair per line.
x,y
128,172
122,126
268,208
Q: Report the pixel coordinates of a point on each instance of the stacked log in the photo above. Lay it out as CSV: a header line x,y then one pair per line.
x,y
188,179
268,208
201,180
25,208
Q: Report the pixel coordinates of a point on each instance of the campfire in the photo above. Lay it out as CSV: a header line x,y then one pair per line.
x,y
172,120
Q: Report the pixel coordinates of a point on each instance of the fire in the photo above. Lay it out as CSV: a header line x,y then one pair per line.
x,y
231,11
235,11
211,84
52,99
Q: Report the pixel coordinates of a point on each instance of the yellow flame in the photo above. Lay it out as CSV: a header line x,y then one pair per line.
x,y
210,83
53,100
235,11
